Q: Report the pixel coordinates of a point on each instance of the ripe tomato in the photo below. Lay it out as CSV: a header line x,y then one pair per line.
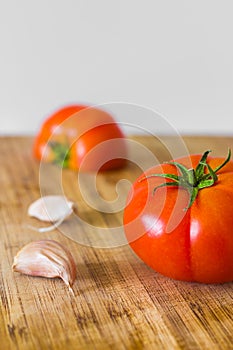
x,y
179,220
81,138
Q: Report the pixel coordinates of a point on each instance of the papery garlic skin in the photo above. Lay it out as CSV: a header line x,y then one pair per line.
x,y
46,258
51,208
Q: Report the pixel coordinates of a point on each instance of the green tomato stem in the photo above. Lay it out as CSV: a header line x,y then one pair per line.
x,y
61,153
192,180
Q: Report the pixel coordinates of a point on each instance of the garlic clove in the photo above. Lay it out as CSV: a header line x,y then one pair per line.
x,y
48,228
46,258
51,208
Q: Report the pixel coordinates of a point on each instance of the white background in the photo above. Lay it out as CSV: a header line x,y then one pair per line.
x,y
173,56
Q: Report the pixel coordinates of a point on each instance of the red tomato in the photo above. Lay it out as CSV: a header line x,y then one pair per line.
x,y
81,138
184,232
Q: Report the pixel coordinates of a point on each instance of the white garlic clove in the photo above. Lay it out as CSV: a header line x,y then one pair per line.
x,y
51,208
48,228
46,258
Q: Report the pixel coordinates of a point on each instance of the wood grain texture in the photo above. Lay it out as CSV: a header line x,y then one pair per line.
x,y
119,302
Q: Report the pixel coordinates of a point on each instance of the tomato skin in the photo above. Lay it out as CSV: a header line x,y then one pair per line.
x,y
81,138
194,244
107,143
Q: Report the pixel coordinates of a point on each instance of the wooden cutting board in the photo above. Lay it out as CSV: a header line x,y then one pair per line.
x,y
119,302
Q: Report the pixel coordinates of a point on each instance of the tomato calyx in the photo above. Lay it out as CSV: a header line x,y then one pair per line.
x,y
192,180
61,153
